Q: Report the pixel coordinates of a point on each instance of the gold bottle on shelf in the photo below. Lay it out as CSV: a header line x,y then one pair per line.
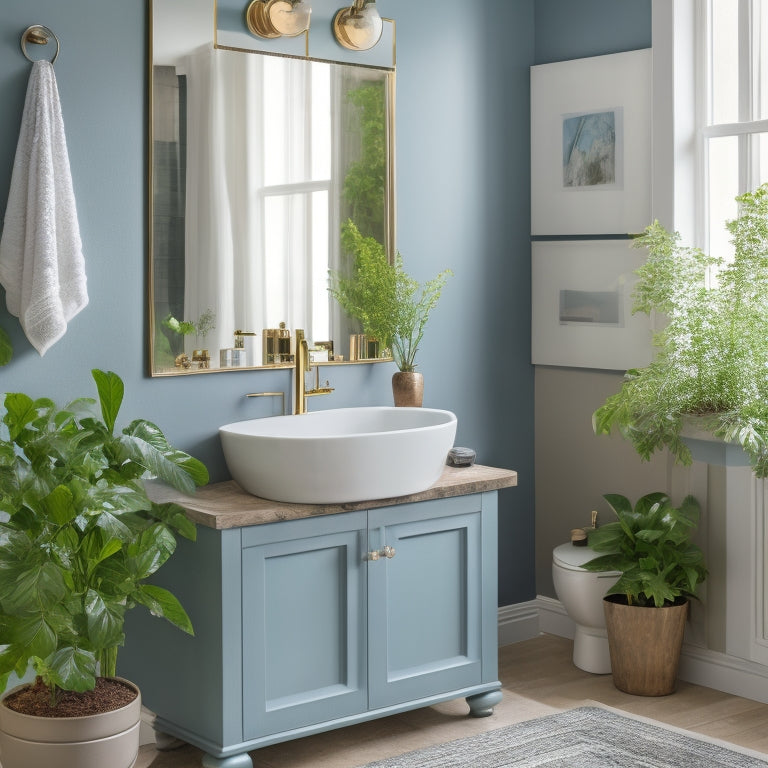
x,y
276,345
284,345
269,346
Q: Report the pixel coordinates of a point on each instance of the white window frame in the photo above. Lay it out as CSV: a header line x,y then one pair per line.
x,y
748,104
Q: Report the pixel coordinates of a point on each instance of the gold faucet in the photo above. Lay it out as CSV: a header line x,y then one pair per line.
x,y
302,366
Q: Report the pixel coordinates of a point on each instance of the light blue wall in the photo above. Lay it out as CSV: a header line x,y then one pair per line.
x,y
573,29
463,202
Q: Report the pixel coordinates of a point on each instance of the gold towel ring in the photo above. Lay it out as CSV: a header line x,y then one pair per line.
x,y
39,35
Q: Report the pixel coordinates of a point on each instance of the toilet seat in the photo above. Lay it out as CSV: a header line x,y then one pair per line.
x,y
573,558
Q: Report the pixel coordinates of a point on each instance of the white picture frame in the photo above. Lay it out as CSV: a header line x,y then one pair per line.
x,y
591,145
582,305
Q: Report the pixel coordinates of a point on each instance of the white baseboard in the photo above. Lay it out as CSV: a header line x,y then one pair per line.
x,y
518,622
523,621
724,673
146,729
553,618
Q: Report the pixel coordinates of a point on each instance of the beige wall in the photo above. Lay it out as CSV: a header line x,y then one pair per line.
x,y
574,467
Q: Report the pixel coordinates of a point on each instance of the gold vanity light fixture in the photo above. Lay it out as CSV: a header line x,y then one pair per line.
x,y
358,27
278,18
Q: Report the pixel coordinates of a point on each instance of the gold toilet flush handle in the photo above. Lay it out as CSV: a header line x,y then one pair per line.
x,y
386,551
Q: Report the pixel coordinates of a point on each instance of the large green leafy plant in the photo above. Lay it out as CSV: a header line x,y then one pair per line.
x,y
79,535
650,545
712,356
392,306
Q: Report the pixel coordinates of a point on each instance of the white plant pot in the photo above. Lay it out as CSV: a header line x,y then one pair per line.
x,y
105,740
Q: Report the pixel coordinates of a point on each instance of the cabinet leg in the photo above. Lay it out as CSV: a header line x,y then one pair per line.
x,y
164,742
482,704
233,761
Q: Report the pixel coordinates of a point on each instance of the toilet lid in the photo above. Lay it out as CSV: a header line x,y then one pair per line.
x,y
568,556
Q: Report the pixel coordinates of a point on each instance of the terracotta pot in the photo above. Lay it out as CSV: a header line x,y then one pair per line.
x,y
94,741
645,645
408,388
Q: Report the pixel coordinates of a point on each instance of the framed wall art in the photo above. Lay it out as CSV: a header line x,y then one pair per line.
x,y
591,145
582,305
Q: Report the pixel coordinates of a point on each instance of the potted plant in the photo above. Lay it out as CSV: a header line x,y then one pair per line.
x,y
711,366
204,325
646,609
391,306
78,538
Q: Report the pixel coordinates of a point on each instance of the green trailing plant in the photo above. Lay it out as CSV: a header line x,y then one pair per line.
x,y
711,359
6,348
79,535
650,545
182,327
204,325
391,306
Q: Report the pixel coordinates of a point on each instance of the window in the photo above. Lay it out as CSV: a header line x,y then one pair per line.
x,y
734,109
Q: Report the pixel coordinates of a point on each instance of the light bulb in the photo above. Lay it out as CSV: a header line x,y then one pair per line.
x,y
289,17
359,27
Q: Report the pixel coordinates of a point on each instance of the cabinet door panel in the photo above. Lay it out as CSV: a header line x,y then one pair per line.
x,y
425,603
303,632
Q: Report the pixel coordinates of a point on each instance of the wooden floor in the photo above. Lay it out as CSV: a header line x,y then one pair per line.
x,y
538,678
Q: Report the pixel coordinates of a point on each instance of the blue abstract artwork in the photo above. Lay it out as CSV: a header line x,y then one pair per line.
x,y
589,149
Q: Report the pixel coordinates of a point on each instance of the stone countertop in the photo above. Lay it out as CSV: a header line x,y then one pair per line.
x,y
227,505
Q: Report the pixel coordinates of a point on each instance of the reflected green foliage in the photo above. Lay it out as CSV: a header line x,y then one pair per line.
x,y
650,545
391,306
79,535
712,356
365,181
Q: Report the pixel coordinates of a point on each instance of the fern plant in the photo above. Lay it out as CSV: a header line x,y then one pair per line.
x,y
391,306
712,356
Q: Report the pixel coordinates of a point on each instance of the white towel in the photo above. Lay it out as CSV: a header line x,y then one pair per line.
x,y
41,258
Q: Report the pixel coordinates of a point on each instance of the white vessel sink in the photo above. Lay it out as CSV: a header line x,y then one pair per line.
x,y
340,455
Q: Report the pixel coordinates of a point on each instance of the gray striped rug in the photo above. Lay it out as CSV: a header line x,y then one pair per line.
x,y
588,737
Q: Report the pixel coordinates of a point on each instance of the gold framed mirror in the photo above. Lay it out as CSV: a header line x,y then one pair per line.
x,y
255,162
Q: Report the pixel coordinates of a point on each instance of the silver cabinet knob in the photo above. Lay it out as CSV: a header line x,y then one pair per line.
x,y
386,551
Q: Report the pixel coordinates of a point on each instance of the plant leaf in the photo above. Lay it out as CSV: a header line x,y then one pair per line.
x,y
6,348
154,462
105,620
152,434
26,586
36,635
72,668
59,506
151,549
162,603
176,518
111,390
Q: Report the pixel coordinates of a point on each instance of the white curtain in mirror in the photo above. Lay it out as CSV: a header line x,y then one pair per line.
x,y
253,194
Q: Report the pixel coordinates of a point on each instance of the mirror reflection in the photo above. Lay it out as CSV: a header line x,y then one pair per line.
x,y
257,161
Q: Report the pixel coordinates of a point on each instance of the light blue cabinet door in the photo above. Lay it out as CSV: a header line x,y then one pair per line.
x,y
425,603
304,633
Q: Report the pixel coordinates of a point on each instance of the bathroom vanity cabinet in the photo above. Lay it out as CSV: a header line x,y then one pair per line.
x,y
314,617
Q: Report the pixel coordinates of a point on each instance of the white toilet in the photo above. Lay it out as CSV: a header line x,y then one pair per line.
x,y
581,592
